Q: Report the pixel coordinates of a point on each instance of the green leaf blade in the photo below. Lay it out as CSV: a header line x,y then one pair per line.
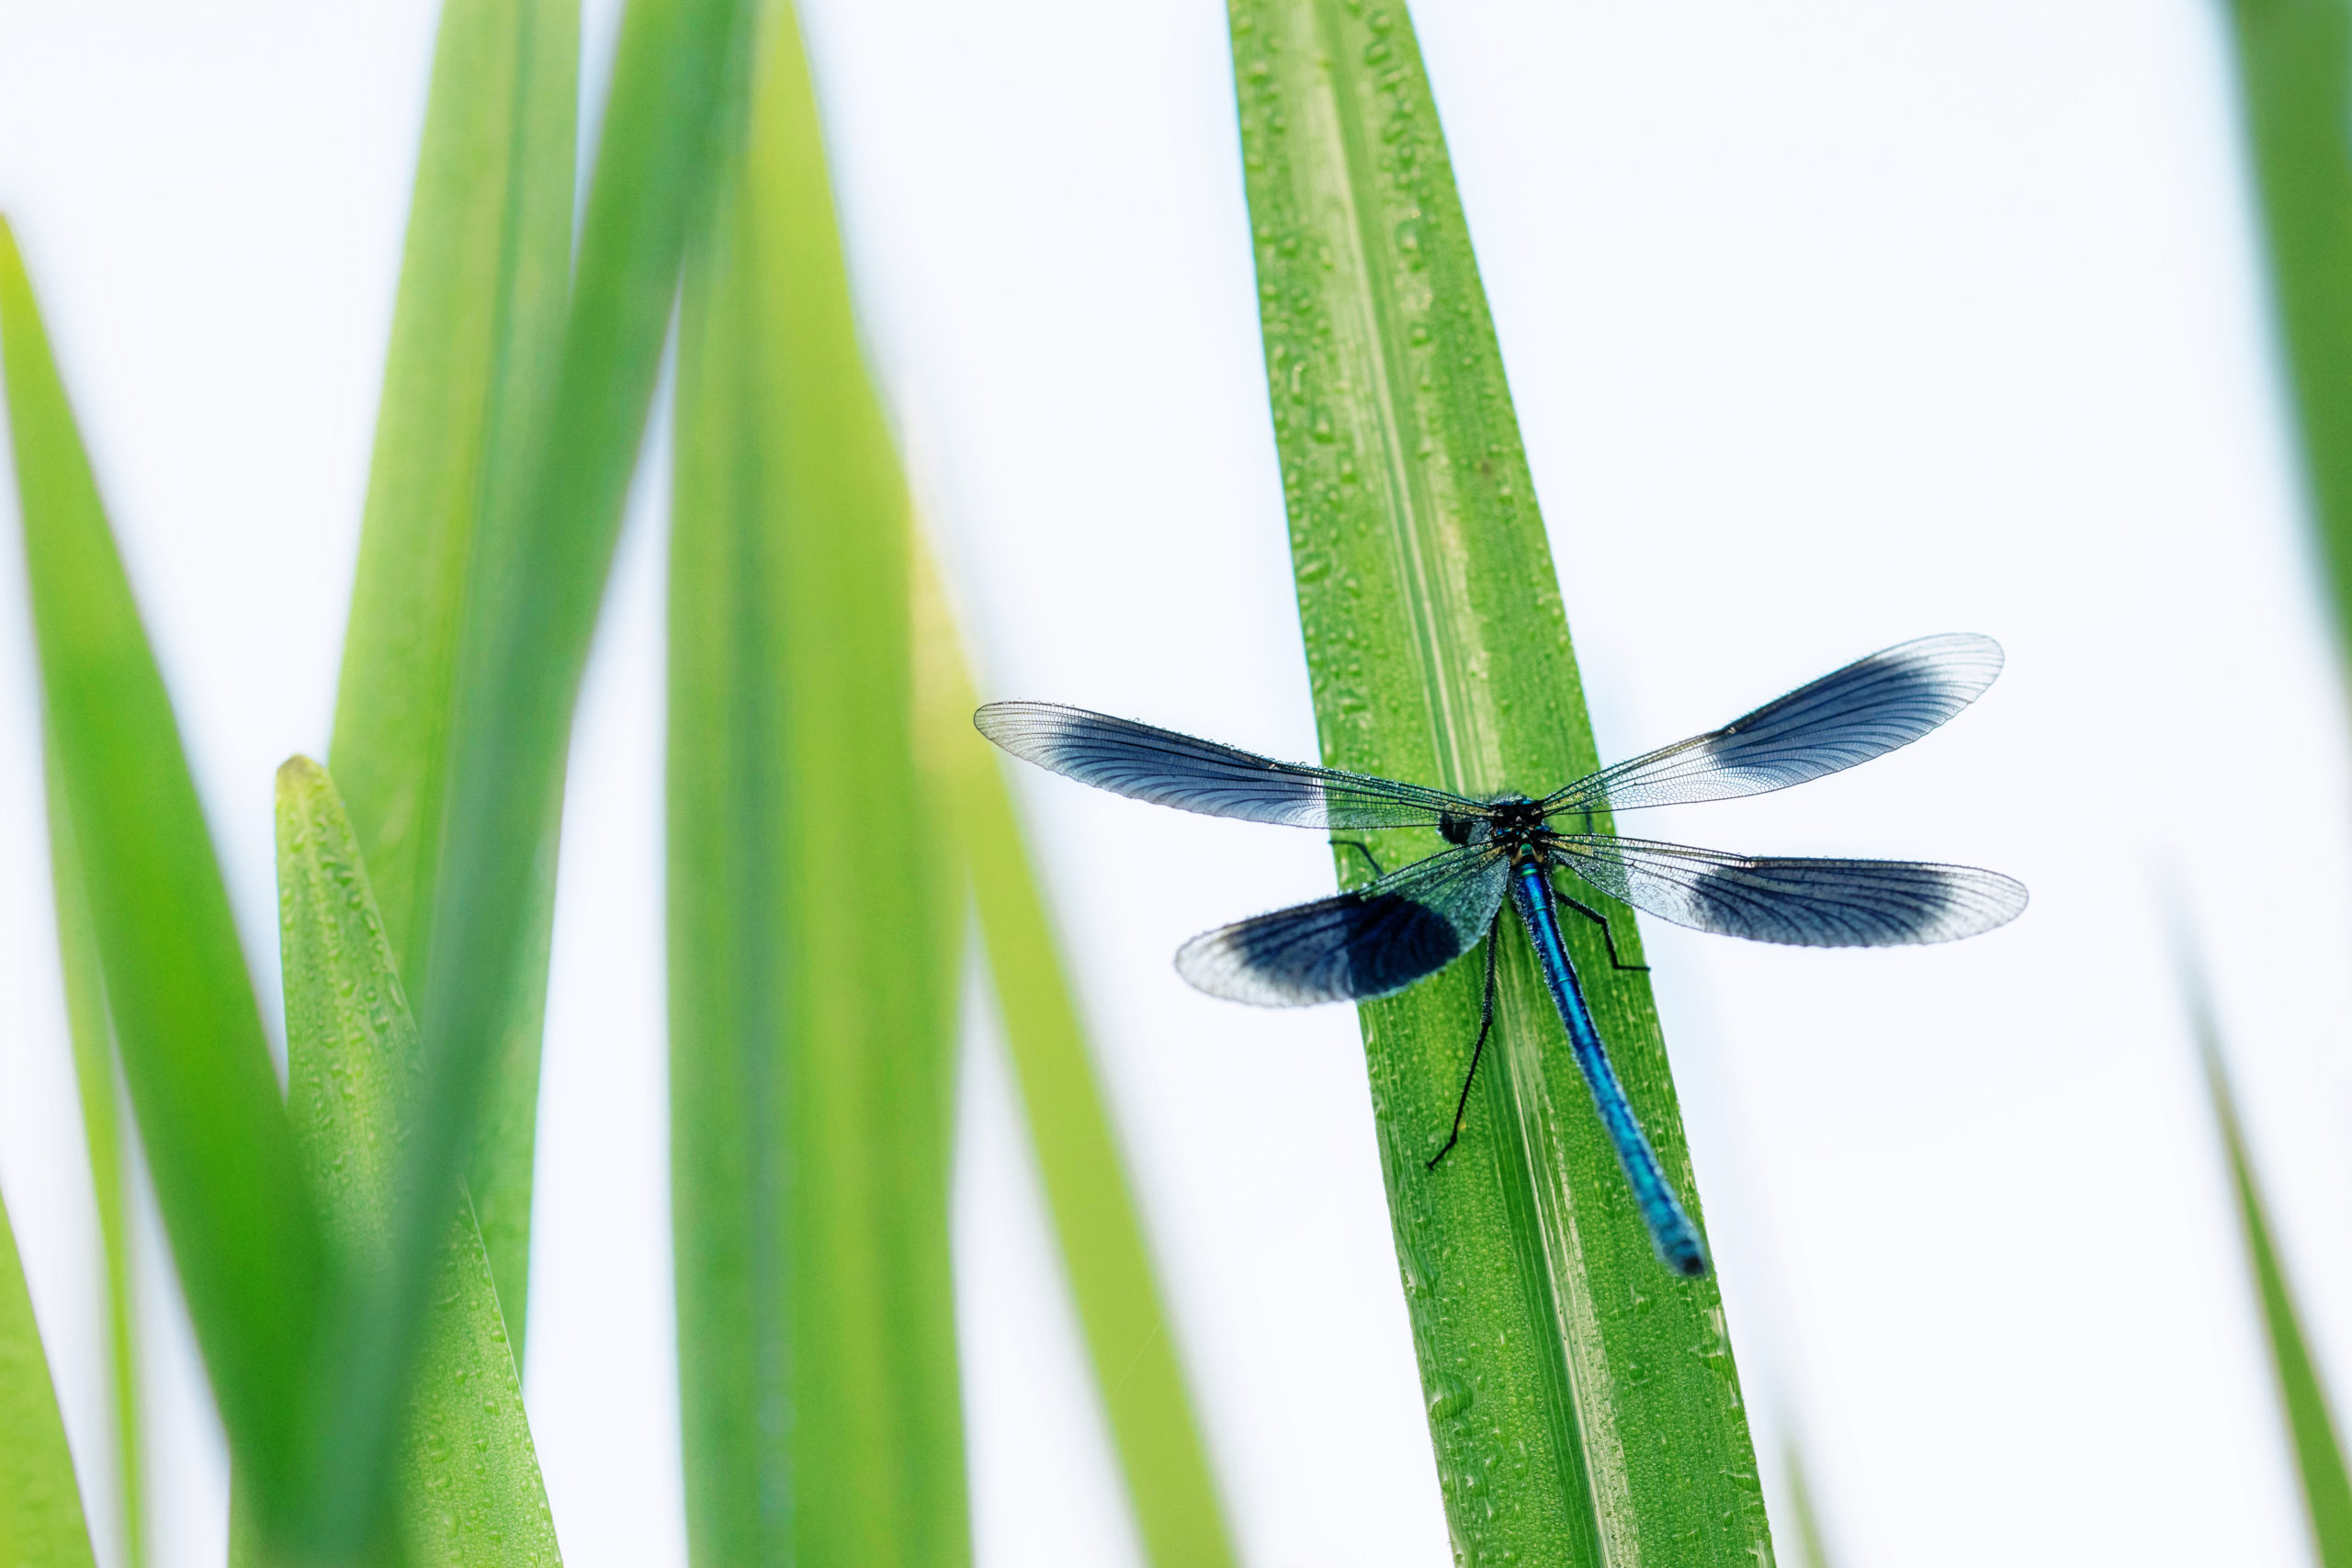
x,y
475,332
1105,1252
1812,1546
40,1504
2311,1423
2294,63
1582,1400
194,1056
811,1046
97,1085
674,102
470,1488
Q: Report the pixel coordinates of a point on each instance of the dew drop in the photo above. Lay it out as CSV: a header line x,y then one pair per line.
x,y
1448,1396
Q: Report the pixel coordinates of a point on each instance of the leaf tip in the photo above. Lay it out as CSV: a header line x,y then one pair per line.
x,y
299,771
304,785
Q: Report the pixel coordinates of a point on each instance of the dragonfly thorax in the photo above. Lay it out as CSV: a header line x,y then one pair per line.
x,y
1513,823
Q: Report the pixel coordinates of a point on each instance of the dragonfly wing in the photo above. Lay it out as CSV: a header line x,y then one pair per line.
x,y
1805,903
1378,939
1849,716
1168,769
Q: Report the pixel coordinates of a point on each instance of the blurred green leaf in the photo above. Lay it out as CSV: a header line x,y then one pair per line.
x,y
2310,1426
94,1075
2295,85
470,1479
531,610
201,1085
1813,1551
1582,1399
1102,1245
475,333
812,1064
40,1506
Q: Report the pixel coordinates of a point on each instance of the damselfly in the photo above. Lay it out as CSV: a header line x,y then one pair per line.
x,y
1407,924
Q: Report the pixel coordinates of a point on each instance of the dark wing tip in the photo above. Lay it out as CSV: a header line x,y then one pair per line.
x,y
1200,964
1355,946
1217,964
1351,946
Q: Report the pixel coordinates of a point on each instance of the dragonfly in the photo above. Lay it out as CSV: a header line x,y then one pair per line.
x,y
1407,925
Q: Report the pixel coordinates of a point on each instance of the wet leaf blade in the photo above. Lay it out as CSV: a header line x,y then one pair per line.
x,y
1105,1252
188,1032
812,1041
1583,1402
470,1491
475,331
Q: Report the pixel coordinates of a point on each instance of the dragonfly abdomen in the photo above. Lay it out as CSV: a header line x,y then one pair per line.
x,y
1671,1232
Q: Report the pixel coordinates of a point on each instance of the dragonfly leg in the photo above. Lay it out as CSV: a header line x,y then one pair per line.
x,y
1357,845
1485,1023
1608,933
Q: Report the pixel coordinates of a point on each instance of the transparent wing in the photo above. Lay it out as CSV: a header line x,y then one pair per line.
x,y
1378,939
1168,769
1805,903
1865,710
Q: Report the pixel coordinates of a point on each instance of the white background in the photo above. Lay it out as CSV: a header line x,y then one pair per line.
x,y
1829,325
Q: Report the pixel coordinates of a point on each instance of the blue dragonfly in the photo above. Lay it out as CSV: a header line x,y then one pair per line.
x,y
1407,924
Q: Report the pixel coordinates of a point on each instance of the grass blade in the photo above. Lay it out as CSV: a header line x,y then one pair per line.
x,y
2311,1425
529,617
40,1506
2295,83
1582,1401
1813,1550
1103,1251
194,1056
470,1479
811,1053
474,333
94,1077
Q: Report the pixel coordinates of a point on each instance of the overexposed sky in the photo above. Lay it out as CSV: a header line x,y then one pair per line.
x,y
1828,324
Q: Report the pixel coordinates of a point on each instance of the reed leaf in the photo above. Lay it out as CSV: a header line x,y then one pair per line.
x,y
810,981
475,329
469,1485
531,611
41,1504
1812,1548
2294,60
230,1191
1581,1399
94,1078
1103,1250
2311,1423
